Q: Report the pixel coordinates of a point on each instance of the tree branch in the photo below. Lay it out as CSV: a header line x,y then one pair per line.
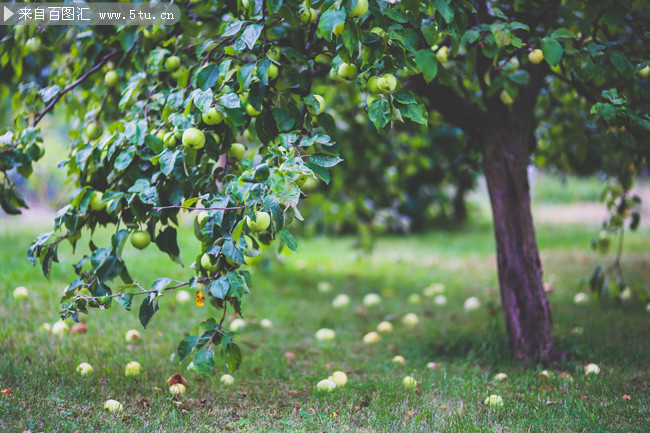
x,y
454,108
199,208
146,292
72,85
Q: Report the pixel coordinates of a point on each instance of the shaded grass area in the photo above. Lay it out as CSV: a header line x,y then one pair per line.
x,y
273,394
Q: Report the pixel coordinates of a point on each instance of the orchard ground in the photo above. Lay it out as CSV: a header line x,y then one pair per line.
x,y
271,393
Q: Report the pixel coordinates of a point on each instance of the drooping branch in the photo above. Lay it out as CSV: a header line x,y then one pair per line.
x,y
198,208
72,85
454,108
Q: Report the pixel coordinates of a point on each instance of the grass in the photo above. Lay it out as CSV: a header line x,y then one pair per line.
x,y
273,395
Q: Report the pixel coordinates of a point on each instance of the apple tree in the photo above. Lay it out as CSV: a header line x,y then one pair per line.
x,y
158,116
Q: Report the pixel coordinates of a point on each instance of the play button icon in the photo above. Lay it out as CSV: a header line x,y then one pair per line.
x,y
7,13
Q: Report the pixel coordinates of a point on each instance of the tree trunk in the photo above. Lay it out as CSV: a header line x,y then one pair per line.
x,y
527,314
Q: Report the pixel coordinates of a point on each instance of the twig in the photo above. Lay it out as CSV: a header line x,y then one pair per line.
x,y
72,85
218,330
199,208
146,292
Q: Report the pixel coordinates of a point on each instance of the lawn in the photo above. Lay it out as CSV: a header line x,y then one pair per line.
x,y
271,393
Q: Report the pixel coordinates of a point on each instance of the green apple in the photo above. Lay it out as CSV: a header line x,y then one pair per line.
x,y
206,263
326,385
252,111
193,138
307,15
645,72
387,83
261,223
273,53
249,244
96,202
237,151
172,63
321,106
506,98
177,389
170,140
512,65
442,54
227,380
20,293
409,382
347,71
323,58
338,29
34,45
161,134
339,378
360,9
93,131
140,239
84,368
272,72
493,401
536,56
132,369
111,78
370,99
113,406
212,117
132,335
372,86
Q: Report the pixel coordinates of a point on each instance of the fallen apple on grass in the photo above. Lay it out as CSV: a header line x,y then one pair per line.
x,y
84,368
132,369
132,335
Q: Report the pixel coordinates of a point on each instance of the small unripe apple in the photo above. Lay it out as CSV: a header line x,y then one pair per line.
x,y
387,83
60,328
326,385
323,58
315,111
183,296
372,85
371,337
338,29
645,72
212,117
307,15
472,303
237,151
206,263
172,63
399,359
409,382
96,202
410,320
500,377
113,406
385,327
132,335
273,53
227,380
272,72
252,111
111,78
442,54
84,368
177,389
506,98
132,369
371,300
20,293
170,140
512,65
249,244
325,334
536,56
360,9
261,223
347,71
493,401
237,324
592,369
34,45
140,239
193,138
341,301
339,378
93,131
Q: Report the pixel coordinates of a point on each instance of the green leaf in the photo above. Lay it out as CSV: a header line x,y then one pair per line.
x,y
427,64
443,7
379,113
147,309
207,76
622,64
415,112
232,356
204,362
328,20
185,346
273,6
167,243
124,300
124,159
289,239
284,118
325,159
552,51
160,284
319,171
219,287
250,34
